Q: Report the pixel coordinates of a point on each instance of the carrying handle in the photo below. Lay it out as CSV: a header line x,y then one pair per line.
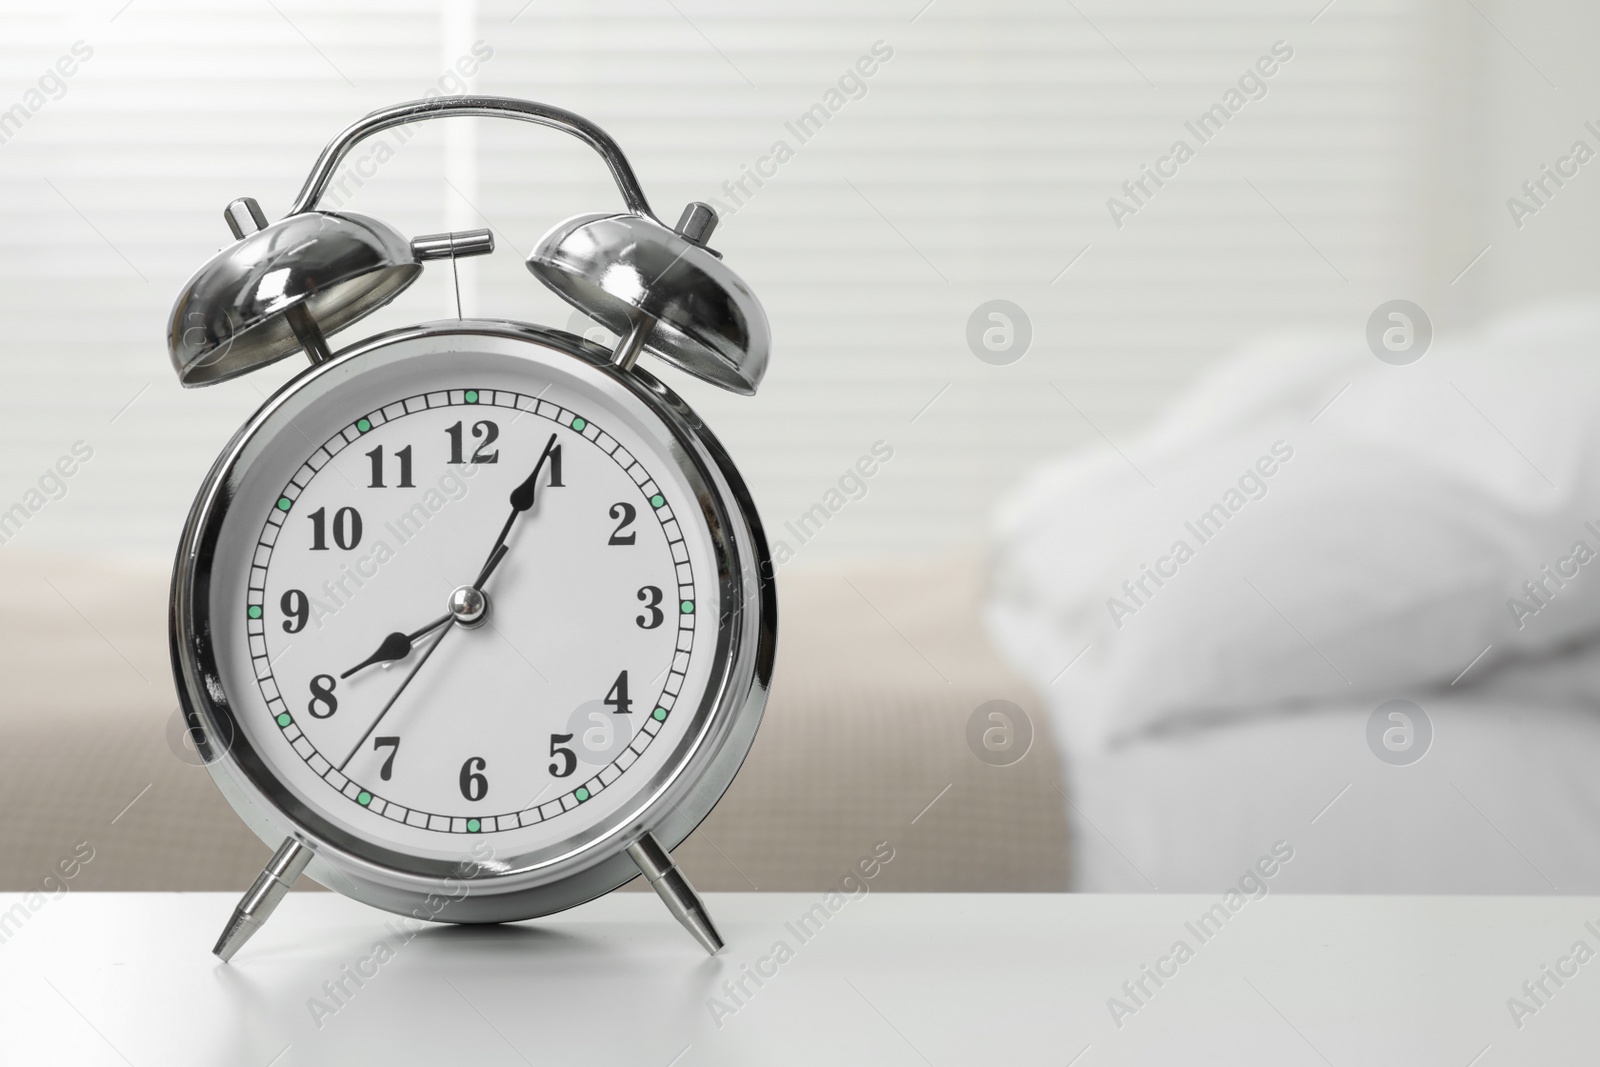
x,y
480,106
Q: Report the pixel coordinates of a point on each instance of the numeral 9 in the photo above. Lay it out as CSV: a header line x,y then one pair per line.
x,y
295,605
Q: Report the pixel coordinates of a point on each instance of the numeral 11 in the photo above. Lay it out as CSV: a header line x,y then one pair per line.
x,y
403,455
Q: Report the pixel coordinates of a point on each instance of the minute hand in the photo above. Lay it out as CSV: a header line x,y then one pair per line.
x,y
522,498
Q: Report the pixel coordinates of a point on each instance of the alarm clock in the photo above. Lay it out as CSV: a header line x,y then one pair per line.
x,y
472,620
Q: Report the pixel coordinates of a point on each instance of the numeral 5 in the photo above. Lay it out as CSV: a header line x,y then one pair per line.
x,y
569,760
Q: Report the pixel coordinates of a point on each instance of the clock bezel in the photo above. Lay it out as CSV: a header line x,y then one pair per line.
x,y
677,797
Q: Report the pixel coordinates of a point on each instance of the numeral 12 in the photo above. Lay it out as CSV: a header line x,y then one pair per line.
x,y
486,430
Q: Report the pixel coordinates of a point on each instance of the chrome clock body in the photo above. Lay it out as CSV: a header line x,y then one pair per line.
x,y
485,883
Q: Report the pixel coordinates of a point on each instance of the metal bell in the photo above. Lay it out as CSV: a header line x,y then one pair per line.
x,y
282,287
661,290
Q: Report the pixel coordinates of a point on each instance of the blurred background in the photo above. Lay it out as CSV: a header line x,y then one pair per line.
x,y
1166,317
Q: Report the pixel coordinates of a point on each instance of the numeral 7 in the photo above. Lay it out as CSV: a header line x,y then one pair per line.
x,y
393,745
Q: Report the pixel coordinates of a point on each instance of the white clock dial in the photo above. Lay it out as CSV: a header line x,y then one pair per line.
x,y
348,536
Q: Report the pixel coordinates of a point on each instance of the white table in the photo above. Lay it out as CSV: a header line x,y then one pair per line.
x,y
117,979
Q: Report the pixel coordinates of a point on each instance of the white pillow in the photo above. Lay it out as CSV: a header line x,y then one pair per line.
x,y
1384,545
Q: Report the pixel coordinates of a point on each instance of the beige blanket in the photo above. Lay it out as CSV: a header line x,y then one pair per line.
x,y
879,669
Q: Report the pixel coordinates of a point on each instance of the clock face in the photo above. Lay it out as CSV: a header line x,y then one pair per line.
x,y
378,692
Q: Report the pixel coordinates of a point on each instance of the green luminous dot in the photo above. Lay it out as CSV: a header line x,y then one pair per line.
x,y
472,398
255,611
660,714
473,825
687,607
363,425
284,503
657,500
284,719
581,793
363,798
578,423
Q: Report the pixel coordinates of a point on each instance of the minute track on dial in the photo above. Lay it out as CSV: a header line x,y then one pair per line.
x,y
600,506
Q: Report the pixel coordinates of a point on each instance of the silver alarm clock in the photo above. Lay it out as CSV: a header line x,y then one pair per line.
x,y
472,620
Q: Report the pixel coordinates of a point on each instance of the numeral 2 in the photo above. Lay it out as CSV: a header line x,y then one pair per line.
x,y
626,513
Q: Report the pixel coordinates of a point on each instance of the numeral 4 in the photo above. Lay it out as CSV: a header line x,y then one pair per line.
x,y
617,698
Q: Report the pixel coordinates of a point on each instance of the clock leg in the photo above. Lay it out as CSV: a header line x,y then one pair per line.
x,y
675,891
257,905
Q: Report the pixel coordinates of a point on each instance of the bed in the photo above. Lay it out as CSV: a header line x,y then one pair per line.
x,y
1225,617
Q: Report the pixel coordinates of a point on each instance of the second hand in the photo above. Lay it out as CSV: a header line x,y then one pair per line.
x,y
420,661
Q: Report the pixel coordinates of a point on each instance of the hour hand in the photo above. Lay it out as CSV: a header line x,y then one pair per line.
x,y
396,646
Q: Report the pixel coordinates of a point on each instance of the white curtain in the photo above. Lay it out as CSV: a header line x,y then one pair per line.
x,y
973,162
